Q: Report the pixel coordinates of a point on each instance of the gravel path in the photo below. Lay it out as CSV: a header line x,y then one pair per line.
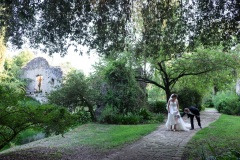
x,y
159,145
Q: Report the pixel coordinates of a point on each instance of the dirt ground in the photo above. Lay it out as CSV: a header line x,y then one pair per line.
x,y
45,153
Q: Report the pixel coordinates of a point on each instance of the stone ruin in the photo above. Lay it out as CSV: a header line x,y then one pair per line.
x,y
41,78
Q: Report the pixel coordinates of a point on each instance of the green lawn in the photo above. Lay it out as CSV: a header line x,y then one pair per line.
x,y
221,140
108,136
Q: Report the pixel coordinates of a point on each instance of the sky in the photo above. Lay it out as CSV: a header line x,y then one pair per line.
x,y
82,62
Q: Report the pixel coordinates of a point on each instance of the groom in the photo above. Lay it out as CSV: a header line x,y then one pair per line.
x,y
193,112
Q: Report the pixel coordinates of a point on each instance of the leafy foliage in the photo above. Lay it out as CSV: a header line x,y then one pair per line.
x,y
157,106
216,27
82,117
75,93
189,97
17,113
54,24
111,116
23,58
227,102
209,144
107,25
124,92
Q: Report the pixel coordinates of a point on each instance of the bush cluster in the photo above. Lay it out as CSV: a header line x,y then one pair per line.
x,y
189,97
157,106
111,116
123,91
82,117
227,102
207,102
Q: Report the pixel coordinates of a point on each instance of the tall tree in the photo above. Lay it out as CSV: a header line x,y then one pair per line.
x,y
217,22
74,93
18,113
104,24
55,25
170,28
169,41
23,58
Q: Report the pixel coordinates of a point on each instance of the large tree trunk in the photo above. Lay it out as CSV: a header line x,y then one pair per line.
x,y
90,109
168,92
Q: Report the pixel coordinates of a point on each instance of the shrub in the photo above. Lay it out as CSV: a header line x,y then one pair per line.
x,y
157,118
75,92
207,102
145,114
107,114
123,91
82,117
130,118
227,102
122,119
28,136
157,106
111,116
189,97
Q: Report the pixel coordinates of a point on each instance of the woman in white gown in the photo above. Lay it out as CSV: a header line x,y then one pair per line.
x,y
175,121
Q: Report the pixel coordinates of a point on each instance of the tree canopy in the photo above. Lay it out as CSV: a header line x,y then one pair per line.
x,y
56,25
18,112
160,32
105,25
74,93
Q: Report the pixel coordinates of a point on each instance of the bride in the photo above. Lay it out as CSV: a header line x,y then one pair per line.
x,y
174,121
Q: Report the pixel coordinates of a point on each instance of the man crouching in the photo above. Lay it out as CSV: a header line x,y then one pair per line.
x,y
193,112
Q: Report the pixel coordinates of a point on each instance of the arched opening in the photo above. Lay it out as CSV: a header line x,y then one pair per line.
x,y
52,81
39,79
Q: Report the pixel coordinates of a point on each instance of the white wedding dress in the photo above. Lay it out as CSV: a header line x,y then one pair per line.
x,y
172,118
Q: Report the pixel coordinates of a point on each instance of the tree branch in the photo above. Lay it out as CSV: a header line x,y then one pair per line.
x,y
146,80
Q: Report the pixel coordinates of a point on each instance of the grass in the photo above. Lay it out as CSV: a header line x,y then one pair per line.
x,y
101,136
26,136
108,136
220,140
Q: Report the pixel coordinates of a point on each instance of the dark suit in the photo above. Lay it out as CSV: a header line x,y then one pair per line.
x,y
194,112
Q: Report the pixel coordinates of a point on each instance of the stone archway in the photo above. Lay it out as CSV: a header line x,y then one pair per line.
x,y
39,82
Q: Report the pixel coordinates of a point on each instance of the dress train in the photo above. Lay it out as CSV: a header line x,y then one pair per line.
x,y
180,124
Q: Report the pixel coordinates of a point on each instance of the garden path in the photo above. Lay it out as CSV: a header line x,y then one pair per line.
x,y
163,144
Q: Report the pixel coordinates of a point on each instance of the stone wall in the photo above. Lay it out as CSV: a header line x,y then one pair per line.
x,y
41,78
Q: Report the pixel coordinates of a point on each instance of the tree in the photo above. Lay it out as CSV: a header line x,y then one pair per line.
x,y
98,24
169,30
216,23
75,92
165,46
18,113
123,92
192,64
104,24
23,58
